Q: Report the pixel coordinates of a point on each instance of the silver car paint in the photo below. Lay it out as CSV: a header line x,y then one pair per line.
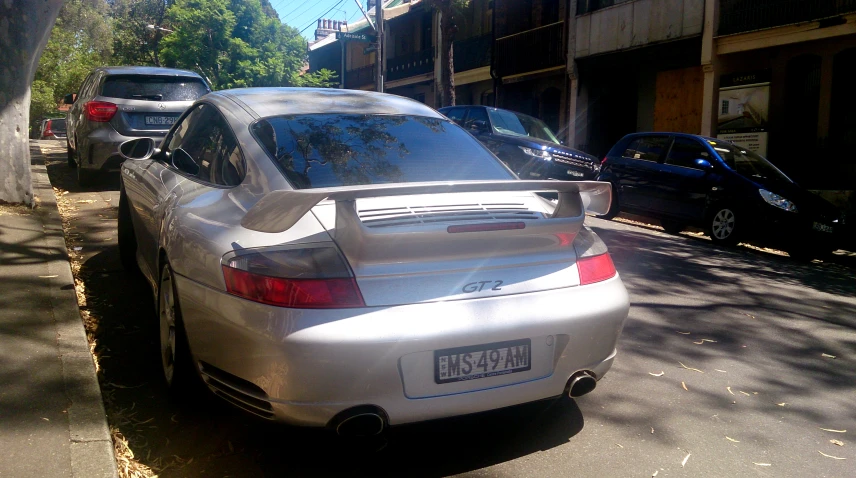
x,y
312,364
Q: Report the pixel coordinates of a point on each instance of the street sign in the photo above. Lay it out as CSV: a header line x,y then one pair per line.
x,y
358,37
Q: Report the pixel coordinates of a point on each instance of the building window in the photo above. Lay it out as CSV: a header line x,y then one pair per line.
x,y
724,107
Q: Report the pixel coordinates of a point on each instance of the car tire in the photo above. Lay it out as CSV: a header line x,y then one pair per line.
x,y
723,225
72,162
176,361
614,206
672,227
126,236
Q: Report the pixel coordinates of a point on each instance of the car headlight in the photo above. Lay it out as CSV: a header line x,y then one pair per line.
x,y
538,153
774,199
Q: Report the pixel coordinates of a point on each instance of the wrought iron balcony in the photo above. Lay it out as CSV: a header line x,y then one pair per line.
x,y
531,50
738,16
473,52
360,76
411,64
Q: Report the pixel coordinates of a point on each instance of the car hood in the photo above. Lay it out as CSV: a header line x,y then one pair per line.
x,y
528,142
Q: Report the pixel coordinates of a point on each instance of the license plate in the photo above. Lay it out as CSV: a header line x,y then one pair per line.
x,y
822,227
160,120
482,361
575,173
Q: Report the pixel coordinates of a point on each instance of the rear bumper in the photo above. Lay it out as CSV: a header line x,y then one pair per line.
x,y
305,366
102,146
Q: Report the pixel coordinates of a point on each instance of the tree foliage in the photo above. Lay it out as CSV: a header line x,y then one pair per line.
x,y
133,42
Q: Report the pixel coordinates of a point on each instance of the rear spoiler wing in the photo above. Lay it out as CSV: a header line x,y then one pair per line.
x,y
279,210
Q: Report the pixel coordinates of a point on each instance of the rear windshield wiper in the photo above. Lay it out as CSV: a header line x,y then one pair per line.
x,y
148,97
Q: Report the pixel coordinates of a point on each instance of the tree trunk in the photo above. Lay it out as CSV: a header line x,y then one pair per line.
x,y
25,26
447,70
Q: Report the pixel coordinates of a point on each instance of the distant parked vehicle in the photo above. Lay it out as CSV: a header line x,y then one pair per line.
x,y
52,128
735,194
118,104
524,143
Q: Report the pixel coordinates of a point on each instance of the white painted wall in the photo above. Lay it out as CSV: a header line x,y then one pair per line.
x,y
637,23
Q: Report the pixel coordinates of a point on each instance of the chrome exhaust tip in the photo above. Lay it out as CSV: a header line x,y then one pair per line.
x,y
580,384
362,422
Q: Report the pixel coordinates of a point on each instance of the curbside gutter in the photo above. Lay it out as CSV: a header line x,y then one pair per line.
x,y
91,447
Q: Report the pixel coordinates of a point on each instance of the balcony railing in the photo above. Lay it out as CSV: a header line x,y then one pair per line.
x,y
738,16
411,64
588,6
532,50
473,52
360,76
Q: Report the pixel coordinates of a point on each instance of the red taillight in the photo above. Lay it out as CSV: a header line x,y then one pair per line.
x,y
595,268
295,293
603,160
48,131
100,111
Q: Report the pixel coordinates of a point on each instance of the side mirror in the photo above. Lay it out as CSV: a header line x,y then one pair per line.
x,y
184,162
140,148
68,99
703,164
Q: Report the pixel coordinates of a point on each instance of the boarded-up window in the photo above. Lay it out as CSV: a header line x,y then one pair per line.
x,y
679,100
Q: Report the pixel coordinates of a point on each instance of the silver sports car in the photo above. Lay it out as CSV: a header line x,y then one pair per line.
x,y
355,260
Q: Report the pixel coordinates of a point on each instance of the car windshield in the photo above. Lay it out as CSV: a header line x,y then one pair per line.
x,y
509,122
329,150
746,162
154,88
58,124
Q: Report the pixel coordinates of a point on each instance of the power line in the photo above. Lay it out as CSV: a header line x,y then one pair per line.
x,y
322,15
303,12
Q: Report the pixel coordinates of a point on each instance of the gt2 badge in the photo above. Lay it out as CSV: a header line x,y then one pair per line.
x,y
480,286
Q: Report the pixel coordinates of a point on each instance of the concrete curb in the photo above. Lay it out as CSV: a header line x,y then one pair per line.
x,y
91,446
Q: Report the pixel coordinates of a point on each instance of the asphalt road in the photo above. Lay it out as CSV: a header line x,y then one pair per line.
x,y
725,368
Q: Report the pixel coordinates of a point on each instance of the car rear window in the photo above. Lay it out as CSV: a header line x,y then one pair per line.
x,y
58,124
154,88
330,150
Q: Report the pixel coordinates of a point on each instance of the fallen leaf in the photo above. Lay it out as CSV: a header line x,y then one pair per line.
x,y
762,464
699,342
48,277
45,419
708,340
685,460
732,439
231,448
833,431
749,315
729,390
619,445
78,248
723,371
86,201
683,333
690,368
654,474
830,456
827,356
782,404
744,393
685,386
837,442
656,374
172,418
652,430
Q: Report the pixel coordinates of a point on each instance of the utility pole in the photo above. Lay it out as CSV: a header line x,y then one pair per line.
x,y
380,46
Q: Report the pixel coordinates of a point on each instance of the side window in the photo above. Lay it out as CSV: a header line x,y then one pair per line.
x,y
203,146
647,148
476,114
685,151
456,115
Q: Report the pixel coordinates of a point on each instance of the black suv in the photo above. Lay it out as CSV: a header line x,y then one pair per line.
x,y
524,143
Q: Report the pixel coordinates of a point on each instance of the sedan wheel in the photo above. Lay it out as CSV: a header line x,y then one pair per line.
x,y
723,227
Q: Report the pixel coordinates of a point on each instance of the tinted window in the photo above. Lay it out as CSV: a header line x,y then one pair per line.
x,y
476,114
456,114
746,162
509,122
153,88
685,151
649,148
329,150
204,146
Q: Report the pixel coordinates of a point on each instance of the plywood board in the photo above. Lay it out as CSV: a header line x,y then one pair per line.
x,y
678,105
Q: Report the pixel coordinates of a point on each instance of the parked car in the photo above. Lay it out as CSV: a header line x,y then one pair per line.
x,y
735,194
117,104
52,128
351,259
524,143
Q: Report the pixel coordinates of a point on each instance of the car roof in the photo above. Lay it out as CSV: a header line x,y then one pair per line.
x,y
146,70
263,102
672,133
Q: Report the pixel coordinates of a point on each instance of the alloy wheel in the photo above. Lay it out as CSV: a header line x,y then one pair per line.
x,y
167,315
723,224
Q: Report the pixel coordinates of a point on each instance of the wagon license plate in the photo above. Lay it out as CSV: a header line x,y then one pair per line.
x,y
822,227
577,174
160,120
482,361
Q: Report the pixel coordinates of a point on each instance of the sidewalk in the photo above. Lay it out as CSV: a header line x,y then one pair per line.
x,y
52,421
